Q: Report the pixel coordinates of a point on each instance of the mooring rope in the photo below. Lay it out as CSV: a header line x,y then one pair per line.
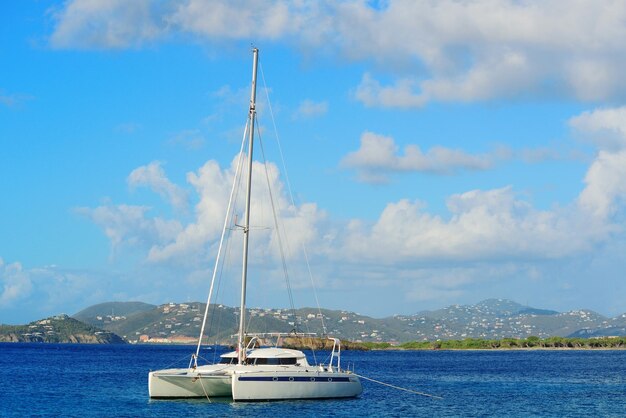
x,y
398,387
203,389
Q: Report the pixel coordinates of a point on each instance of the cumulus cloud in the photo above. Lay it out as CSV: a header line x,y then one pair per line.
x,y
153,176
444,51
128,226
483,225
235,19
604,128
480,50
480,224
495,224
15,283
604,190
402,94
378,155
87,24
213,186
480,227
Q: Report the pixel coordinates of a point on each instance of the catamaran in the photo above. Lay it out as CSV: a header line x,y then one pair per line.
x,y
250,373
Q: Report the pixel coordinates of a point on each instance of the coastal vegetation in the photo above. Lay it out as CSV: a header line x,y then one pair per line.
x,y
531,342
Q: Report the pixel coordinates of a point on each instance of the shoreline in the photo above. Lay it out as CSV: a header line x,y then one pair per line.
x,y
393,348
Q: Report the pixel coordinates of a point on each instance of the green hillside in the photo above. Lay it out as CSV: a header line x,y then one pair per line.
x,y
109,310
58,329
491,319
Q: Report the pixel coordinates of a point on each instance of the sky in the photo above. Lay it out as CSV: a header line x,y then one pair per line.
x,y
437,152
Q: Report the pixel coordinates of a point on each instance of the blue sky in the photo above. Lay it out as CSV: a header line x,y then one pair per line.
x,y
440,152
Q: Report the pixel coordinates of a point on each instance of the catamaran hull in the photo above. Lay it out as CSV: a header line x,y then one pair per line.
x,y
188,385
259,386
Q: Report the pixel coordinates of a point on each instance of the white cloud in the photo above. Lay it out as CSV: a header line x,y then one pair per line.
x,y
107,24
605,128
153,176
378,155
495,224
15,283
213,185
605,189
309,109
483,225
213,188
234,19
128,226
402,94
445,50
481,50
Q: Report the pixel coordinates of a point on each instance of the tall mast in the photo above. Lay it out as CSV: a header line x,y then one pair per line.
x,y
246,223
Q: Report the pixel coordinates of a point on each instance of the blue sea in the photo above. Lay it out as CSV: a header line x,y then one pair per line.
x,y
72,380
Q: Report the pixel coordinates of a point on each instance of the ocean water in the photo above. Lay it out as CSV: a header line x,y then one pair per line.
x,y
111,381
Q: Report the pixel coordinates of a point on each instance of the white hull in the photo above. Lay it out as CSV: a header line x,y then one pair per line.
x,y
189,383
272,385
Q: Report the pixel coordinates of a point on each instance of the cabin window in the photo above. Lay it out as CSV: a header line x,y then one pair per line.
x,y
276,361
228,360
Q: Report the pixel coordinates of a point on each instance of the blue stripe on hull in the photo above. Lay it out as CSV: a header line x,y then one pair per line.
x,y
292,379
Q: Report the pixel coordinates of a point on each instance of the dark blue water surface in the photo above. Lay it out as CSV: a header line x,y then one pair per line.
x,y
111,380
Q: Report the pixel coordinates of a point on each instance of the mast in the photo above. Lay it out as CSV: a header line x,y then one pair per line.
x,y
246,223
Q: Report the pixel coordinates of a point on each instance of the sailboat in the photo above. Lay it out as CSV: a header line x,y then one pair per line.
x,y
250,373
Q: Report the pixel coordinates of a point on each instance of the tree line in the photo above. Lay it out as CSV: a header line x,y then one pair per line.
x,y
505,343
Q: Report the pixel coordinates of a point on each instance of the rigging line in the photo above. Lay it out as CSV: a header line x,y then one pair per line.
x,y
282,252
398,387
174,362
293,203
227,252
278,229
288,182
219,250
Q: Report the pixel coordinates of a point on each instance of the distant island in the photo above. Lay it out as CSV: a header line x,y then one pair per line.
x,y
490,324
58,329
492,319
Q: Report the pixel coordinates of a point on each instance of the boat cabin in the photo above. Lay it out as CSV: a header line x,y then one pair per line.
x,y
268,356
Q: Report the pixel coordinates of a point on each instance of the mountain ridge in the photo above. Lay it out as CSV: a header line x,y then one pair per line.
x,y
488,319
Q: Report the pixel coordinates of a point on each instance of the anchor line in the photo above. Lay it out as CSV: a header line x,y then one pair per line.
x,y
398,387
